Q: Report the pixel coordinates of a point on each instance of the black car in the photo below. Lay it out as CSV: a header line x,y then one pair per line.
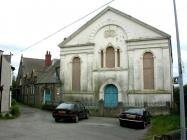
x,y
135,117
70,111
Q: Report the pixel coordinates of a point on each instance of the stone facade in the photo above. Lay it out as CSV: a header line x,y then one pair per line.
x,y
129,40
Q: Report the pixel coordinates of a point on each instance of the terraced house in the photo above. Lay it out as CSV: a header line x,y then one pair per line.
x,y
116,59
38,81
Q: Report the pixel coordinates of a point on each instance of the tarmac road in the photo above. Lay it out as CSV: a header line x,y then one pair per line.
x,y
35,124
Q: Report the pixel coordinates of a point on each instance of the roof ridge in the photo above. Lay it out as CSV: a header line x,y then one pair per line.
x,y
32,58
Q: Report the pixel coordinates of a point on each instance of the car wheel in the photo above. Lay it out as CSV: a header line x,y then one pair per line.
x,y
87,115
56,120
121,123
76,119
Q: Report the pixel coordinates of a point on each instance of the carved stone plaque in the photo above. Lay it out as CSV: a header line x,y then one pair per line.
x,y
109,33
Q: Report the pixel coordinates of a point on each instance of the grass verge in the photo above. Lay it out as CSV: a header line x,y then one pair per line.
x,y
162,124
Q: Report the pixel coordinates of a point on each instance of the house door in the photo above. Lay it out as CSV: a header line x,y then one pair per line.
x,y
47,96
110,96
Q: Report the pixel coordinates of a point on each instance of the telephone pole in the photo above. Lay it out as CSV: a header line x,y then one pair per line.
x,y
182,107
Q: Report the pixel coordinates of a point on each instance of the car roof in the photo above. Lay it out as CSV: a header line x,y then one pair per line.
x,y
139,108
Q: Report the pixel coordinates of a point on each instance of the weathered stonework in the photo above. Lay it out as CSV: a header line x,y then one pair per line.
x,y
130,38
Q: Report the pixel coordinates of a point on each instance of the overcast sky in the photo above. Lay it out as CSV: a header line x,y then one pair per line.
x,y
24,22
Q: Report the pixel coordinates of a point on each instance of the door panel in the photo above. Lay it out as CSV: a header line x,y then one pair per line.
x,y
47,96
110,96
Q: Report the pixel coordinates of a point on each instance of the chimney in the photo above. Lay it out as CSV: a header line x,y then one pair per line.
x,y
48,59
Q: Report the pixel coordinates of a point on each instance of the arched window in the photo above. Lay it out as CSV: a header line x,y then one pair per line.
x,y
102,59
148,70
110,57
118,57
76,74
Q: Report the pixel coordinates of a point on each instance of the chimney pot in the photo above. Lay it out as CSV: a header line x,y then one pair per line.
x,y
48,61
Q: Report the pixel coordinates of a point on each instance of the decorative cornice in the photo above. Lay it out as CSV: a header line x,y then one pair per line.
x,y
78,45
146,39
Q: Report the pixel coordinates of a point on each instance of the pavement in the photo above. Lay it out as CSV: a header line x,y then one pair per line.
x,y
36,124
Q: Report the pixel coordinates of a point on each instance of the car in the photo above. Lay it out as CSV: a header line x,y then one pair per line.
x,y
136,117
70,111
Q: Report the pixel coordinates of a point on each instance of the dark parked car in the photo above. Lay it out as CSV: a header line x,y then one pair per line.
x,y
70,111
135,117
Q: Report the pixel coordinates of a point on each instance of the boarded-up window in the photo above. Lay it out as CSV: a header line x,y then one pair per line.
x,y
102,59
110,57
148,70
118,56
76,74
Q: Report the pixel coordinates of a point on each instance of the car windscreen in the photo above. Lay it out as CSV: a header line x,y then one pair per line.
x,y
68,106
135,111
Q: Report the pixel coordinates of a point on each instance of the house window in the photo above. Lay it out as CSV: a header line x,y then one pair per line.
x,y
148,70
76,74
33,90
110,57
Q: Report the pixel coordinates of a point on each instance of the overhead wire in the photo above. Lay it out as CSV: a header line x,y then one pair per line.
x,y
66,26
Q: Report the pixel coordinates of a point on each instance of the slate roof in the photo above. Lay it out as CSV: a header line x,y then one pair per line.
x,y
50,74
117,12
44,74
30,64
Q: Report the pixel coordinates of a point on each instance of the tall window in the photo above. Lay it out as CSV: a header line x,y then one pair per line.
x,y
118,57
76,74
102,59
110,57
148,70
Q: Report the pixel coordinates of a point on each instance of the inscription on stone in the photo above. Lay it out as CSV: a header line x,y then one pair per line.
x,y
109,33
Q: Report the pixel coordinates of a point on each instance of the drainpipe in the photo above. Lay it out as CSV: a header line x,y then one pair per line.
x,y
1,88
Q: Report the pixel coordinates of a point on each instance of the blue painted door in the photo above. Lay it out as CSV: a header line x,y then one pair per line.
x,y
110,96
47,96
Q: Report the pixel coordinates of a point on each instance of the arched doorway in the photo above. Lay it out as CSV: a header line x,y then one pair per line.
x,y
110,96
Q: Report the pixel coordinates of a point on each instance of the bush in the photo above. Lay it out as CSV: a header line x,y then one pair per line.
x,y
177,99
14,102
15,111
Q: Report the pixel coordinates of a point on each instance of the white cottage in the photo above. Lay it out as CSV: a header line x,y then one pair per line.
x,y
117,58
5,82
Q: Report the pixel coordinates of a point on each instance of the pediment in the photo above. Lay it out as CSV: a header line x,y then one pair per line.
x,y
134,29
